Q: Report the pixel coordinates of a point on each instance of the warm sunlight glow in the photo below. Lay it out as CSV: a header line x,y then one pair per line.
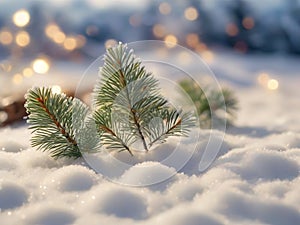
x,y
192,40
231,29
27,72
248,23
191,13
208,56
159,30
22,39
70,43
171,41
17,78
80,41
164,8
6,37
40,66
59,37
110,43
21,18
273,84
51,30
263,79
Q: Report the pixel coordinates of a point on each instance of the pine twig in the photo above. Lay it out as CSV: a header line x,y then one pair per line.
x,y
51,119
209,102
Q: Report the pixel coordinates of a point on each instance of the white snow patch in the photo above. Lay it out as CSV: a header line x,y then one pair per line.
x,y
254,178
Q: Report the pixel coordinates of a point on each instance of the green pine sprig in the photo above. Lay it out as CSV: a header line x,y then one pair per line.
x,y
220,106
129,113
129,107
52,118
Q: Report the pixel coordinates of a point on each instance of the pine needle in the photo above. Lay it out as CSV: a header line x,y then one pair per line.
x,y
52,118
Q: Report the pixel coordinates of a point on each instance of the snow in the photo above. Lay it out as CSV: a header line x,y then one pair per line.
x,y
254,178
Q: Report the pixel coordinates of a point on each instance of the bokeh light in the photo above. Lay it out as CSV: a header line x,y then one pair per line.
x,y
273,84
135,20
40,65
51,29
191,13
6,37
248,23
170,40
164,8
70,43
17,78
207,55
27,72
21,18
263,78
22,39
232,29
192,40
59,37
159,30
110,43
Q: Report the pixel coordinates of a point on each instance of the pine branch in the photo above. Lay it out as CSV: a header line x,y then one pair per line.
x,y
209,102
51,118
128,99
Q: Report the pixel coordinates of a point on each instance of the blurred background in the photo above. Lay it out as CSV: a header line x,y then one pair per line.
x,y
56,40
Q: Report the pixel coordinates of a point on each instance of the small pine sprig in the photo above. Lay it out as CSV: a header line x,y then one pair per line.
x,y
129,107
55,120
210,102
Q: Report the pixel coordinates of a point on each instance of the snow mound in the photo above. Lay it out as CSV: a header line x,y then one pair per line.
x,y
12,196
73,178
187,216
51,216
241,206
7,162
269,165
121,202
11,146
147,173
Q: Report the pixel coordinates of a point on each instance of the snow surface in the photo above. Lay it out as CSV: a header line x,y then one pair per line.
x,y
254,179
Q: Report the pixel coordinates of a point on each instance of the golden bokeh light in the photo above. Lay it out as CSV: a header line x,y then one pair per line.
x,y
192,40
21,18
80,41
201,47
40,65
170,41
70,43
263,78
110,43
248,23
191,13
56,89
273,84
159,30
27,72
135,20
165,8
59,37
51,30
208,56
232,29
6,37
22,39
17,78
